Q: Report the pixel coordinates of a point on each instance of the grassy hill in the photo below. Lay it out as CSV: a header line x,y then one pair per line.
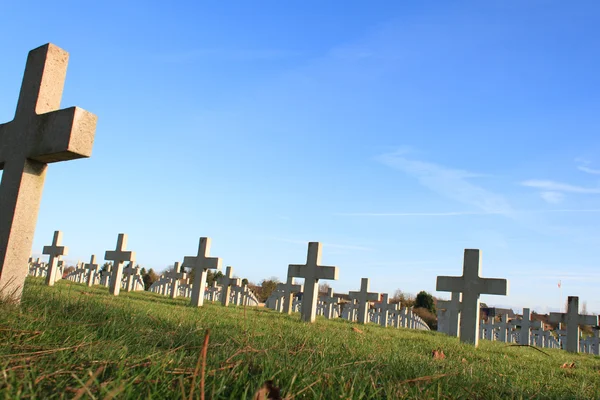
x,y
73,342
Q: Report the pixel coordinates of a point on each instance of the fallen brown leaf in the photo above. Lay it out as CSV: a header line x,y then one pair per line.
x,y
464,360
357,330
268,391
568,365
438,355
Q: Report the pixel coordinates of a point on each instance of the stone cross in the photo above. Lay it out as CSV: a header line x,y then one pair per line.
x,y
288,289
471,285
312,271
526,324
118,257
55,252
330,302
175,275
363,297
92,267
131,272
453,308
105,275
227,281
201,263
573,319
503,327
383,310
39,134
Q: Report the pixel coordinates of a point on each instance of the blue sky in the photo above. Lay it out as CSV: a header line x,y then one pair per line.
x,y
397,134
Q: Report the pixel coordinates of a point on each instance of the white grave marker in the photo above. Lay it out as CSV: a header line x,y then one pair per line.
x,y
573,319
39,134
201,263
363,297
118,257
312,271
55,252
92,267
471,285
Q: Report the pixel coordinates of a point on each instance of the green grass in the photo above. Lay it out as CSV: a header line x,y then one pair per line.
x,y
70,341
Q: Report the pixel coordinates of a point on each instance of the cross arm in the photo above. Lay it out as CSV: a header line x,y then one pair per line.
x,y
120,255
296,271
62,135
449,284
495,286
557,317
331,273
372,296
588,320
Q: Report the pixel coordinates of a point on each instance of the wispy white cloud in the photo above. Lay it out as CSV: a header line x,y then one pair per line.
x,y
583,165
552,197
553,186
448,182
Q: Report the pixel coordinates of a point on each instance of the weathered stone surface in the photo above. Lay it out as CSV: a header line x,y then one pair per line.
x,y
92,267
471,285
573,319
54,252
312,271
363,297
39,134
201,263
118,257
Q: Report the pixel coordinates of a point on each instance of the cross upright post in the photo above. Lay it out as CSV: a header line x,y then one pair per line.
x,y
92,267
131,272
525,324
118,257
39,134
312,271
289,288
201,263
383,310
54,252
471,285
175,275
573,319
330,301
453,307
227,281
363,297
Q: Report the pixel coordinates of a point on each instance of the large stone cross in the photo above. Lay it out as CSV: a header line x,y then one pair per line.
x,y
174,275
118,257
55,252
453,308
363,297
39,134
289,288
573,319
227,281
92,267
471,285
312,271
201,263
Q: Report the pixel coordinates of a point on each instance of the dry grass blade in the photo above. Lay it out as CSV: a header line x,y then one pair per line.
x,y
44,352
426,378
85,388
290,397
528,345
201,361
113,393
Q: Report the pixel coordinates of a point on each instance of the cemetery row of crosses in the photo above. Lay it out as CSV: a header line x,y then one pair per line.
x,y
458,317
41,133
